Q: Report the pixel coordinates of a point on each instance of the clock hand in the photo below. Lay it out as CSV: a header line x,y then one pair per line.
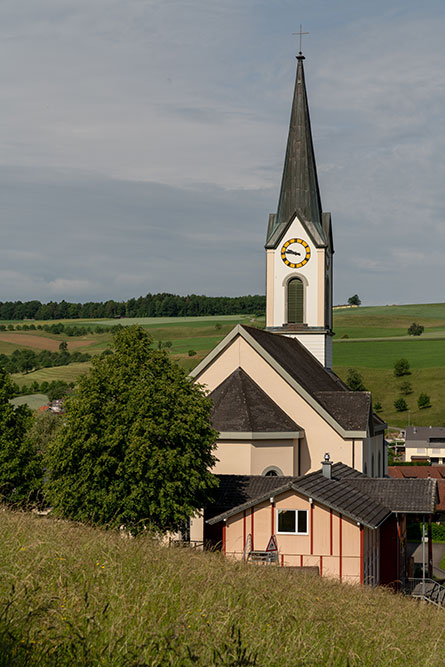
x,y
292,252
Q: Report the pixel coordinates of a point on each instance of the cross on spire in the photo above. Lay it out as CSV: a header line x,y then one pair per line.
x,y
301,33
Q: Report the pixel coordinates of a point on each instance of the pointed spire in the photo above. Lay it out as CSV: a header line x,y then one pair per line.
x,y
299,186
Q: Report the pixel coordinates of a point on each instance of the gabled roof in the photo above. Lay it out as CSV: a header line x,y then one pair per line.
x,y
240,405
417,433
369,501
423,472
306,375
401,495
299,185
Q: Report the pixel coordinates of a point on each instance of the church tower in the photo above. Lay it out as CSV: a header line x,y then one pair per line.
x,y
299,246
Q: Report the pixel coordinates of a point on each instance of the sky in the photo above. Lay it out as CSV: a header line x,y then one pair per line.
x,y
142,144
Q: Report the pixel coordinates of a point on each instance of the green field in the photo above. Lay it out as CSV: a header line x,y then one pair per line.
x,y
376,337
74,595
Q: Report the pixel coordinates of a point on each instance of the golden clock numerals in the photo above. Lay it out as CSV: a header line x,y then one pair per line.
x,y
301,249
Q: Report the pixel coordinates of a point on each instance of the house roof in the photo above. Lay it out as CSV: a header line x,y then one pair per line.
x,y
349,411
240,405
417,433
366,500
423,472
401,495
352,409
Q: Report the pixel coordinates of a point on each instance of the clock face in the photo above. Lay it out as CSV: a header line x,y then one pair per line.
x,y
295,253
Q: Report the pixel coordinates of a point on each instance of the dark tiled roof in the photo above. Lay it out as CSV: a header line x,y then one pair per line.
x,y
401,495
366,500
424,432
423,472
234,490
350,409
240,405
296,360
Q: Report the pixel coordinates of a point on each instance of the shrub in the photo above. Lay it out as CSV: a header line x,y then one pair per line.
x,y
406,388
354,300
378,406
415,329
401,367
192,353
355,381
423,401
400,404
21,469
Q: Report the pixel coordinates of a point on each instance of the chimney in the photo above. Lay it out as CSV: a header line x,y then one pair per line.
x,y
326,466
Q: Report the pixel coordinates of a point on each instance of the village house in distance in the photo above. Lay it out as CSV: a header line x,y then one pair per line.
x,y
280,411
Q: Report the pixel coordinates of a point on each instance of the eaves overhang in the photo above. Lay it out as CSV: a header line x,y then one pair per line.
x,y
295,487
260,435
280,230
238,330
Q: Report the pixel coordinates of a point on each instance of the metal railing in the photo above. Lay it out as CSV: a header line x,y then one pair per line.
x,y
426,589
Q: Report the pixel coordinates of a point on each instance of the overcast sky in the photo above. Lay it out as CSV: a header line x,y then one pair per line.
x,y
142,144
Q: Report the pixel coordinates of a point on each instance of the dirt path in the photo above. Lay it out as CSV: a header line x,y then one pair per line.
x,y
41,342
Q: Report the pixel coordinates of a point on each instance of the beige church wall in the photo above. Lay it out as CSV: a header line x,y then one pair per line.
x,y
309,272
234,458
279,453
221,368
320,437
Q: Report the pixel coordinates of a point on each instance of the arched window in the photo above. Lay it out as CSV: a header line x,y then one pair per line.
x,y
272,471
295,301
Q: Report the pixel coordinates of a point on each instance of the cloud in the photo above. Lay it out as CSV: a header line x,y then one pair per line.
x,y
144,142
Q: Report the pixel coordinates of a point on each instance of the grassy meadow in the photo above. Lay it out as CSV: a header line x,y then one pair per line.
x,y
369,339
71,594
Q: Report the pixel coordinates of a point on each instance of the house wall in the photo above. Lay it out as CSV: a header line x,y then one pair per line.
x,y
333,542
319,435
434,451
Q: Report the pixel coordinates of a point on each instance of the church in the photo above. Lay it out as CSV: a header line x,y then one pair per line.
x,y
301,459
277,404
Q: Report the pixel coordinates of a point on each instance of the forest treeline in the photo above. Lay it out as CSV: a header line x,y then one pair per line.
x,y
151,305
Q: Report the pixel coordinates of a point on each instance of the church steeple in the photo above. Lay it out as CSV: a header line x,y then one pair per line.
x,y
299,244
299,185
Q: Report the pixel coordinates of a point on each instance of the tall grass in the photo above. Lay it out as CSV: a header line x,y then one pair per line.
x,y
71,594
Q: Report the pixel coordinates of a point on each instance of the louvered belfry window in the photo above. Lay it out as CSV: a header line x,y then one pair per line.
x,y
295,298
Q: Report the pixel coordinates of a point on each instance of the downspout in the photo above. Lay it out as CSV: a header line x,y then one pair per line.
x,y
423,555
398,553
430,548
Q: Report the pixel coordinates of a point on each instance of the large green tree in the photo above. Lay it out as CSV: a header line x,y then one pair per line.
x,y
21,469
136,444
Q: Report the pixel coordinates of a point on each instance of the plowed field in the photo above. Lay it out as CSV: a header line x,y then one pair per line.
x,y
41,342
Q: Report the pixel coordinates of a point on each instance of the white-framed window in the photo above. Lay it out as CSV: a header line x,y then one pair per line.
x,y
292,522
